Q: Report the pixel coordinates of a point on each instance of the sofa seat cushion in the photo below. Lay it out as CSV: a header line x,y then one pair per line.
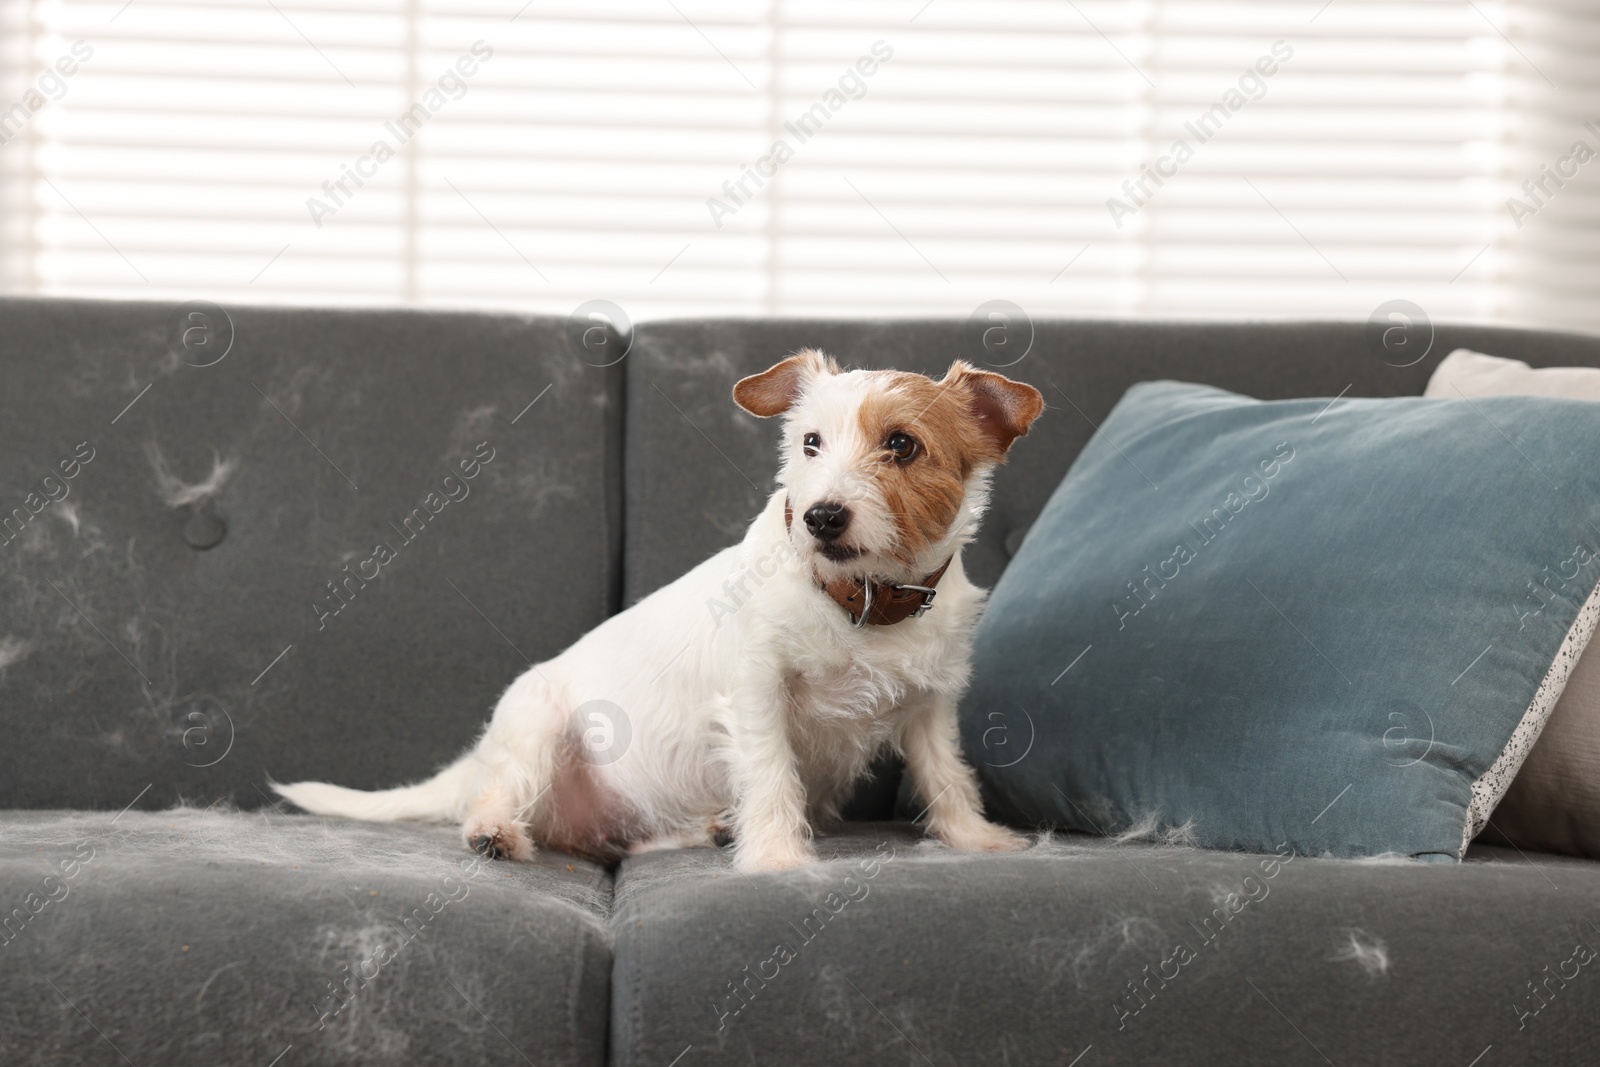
x,y
897,950
194,937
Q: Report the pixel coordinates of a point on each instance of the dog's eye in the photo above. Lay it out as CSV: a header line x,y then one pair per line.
x,y
812,443
901,445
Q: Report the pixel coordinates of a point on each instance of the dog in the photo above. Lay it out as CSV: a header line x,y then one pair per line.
x,y
750,695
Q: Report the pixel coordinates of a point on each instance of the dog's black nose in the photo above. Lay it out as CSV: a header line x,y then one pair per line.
x,y
827,521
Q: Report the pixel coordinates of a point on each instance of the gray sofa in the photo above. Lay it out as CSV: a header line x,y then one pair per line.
x,y
185,616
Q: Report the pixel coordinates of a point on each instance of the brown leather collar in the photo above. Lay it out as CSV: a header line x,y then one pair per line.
x,y
886,603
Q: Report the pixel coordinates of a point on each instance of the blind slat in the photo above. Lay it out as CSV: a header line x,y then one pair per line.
x,y
1304,167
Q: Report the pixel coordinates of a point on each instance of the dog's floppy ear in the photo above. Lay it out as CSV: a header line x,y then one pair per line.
x,y
1004,409
774,391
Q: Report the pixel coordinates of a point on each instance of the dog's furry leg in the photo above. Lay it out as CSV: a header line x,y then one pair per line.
x,y
930,742
771,831
515,763
493,829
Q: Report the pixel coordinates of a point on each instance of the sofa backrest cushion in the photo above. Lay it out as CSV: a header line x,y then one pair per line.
x,y
698,468
400,533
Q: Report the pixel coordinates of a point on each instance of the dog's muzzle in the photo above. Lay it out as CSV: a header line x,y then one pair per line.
x,y
827,521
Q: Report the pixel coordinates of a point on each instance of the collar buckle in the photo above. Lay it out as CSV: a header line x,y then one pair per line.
x,y
928,593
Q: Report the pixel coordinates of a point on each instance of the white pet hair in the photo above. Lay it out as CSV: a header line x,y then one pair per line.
x,y
13,650
177,493
1381,859
1141,829
1107,941
225,835
1150,827
67,512
1369,952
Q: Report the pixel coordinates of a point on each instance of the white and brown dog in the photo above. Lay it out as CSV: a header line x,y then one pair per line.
x,y
754,691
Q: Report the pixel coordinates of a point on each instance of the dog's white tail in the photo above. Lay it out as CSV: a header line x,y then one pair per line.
x,y
442,798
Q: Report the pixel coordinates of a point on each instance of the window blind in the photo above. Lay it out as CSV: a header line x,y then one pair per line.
x,y
888,156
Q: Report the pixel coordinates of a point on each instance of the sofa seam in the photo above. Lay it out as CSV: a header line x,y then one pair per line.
x,y
573,991
636,1008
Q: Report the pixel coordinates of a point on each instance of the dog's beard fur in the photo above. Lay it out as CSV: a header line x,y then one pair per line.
x,y
760,708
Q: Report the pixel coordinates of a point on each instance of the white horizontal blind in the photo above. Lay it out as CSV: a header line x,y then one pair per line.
x,y
178,157
857,156
207,150
16,153
1548,259
579,168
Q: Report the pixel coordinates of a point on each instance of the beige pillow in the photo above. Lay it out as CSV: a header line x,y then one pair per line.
x,y
1473,374
1554,802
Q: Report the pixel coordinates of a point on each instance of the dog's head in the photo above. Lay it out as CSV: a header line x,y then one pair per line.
x,y
887,472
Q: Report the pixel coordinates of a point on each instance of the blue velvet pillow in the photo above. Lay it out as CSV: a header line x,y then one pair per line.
x,y
1333,625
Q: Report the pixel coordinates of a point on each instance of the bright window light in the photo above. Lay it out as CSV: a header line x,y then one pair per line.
x,y
691,157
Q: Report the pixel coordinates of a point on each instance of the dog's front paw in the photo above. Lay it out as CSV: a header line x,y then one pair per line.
x,y
983,837
498,840
774,858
